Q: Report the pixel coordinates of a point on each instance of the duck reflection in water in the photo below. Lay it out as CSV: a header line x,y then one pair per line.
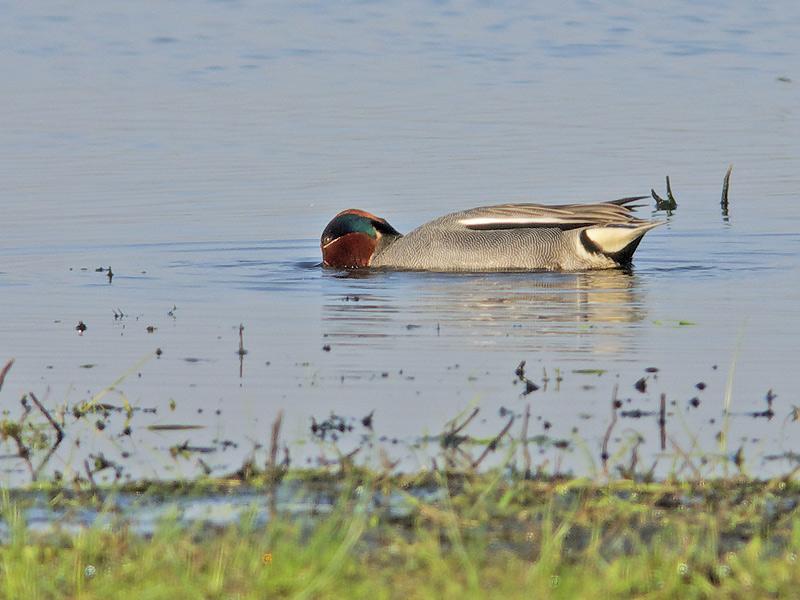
x,y
588,311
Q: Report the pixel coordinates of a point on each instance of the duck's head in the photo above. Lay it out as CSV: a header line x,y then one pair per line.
x,y
353,236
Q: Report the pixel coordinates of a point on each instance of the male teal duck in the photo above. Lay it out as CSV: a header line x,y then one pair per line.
x,y
506,237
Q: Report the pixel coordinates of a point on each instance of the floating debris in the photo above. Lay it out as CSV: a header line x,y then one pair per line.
x,y
670,197
185,448
738,458
636,414
367,421
329,427
492,445
530,387
669,204
520,371
789,455
457,448
81,327
241,351
451,439
615,405
5,371
101,463
725,185
673,323
769,413
21,433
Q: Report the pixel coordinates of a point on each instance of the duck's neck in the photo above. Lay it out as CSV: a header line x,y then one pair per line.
x,y
385,240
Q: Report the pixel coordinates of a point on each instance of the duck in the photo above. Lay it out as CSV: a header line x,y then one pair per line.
x,y
503,237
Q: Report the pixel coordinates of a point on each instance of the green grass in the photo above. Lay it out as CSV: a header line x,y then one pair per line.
x,y
484,536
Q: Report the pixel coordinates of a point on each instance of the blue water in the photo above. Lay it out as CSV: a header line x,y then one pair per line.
x,y
199,149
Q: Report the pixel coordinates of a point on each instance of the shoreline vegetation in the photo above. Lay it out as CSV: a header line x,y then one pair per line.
x,y
431,535
480,520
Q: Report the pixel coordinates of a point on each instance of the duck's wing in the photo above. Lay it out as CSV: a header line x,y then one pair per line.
x,y
564,216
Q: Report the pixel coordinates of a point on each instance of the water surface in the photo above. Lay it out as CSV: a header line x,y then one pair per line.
x,y
200,149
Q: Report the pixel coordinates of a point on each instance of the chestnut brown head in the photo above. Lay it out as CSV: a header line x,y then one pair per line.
x,y
353,236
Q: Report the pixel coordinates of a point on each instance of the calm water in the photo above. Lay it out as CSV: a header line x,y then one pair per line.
x,y
200,148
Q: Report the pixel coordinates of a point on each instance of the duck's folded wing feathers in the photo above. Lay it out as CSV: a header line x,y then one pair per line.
x,y
566,216
627,200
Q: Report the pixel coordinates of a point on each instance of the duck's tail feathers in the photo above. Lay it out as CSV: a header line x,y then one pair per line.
x,y
626,202
617,241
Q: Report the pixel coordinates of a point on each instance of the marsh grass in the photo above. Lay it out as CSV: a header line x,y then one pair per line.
x,y
481,535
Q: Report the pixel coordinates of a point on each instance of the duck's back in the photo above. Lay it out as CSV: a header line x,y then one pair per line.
x,y
517,237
